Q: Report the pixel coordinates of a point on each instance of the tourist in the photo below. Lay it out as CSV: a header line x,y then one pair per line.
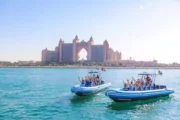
x,y
128,84
131,87
142,84
138,85
88,82
148,79
82,81
125,84
97,76
98,81
92,80
148,82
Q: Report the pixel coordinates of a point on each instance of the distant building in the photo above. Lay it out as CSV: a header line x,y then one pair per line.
x,y
26,62
4,63
133,63
68,52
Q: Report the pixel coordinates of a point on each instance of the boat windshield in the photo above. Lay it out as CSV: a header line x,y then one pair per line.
x,y
93,74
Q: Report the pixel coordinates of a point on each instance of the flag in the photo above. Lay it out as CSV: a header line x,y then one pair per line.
x,y
103,69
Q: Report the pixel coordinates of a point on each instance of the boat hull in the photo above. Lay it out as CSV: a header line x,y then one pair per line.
x,y
84,91
124,96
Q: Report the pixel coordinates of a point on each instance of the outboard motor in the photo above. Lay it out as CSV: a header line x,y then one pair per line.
x,y
162,86
102,82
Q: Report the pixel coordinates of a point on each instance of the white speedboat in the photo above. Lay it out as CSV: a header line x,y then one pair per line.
x,y
88,88
126,94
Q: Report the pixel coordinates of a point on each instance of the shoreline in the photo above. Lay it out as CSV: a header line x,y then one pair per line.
x,y
89,67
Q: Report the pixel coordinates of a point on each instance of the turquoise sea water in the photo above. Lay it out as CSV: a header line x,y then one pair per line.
x,y
44,94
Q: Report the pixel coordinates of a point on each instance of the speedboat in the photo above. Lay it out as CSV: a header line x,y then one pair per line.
x,y
89,88
152,91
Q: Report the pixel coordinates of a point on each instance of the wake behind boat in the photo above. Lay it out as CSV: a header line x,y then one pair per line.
x,y
91,84
144,88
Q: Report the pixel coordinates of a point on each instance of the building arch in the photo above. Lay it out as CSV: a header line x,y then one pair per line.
x,y
82,54
80,47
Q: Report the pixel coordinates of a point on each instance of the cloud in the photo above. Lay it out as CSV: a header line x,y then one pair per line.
x,y
141,7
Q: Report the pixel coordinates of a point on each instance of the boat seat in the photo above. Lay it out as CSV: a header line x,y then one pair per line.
x,y
82,85
126,89
132,89
144,88
163,86
139,89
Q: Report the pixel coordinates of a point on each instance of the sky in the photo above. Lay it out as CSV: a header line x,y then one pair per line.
x,y
141,29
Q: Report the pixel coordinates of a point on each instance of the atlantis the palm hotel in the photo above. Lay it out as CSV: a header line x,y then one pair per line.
x,y
69,52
